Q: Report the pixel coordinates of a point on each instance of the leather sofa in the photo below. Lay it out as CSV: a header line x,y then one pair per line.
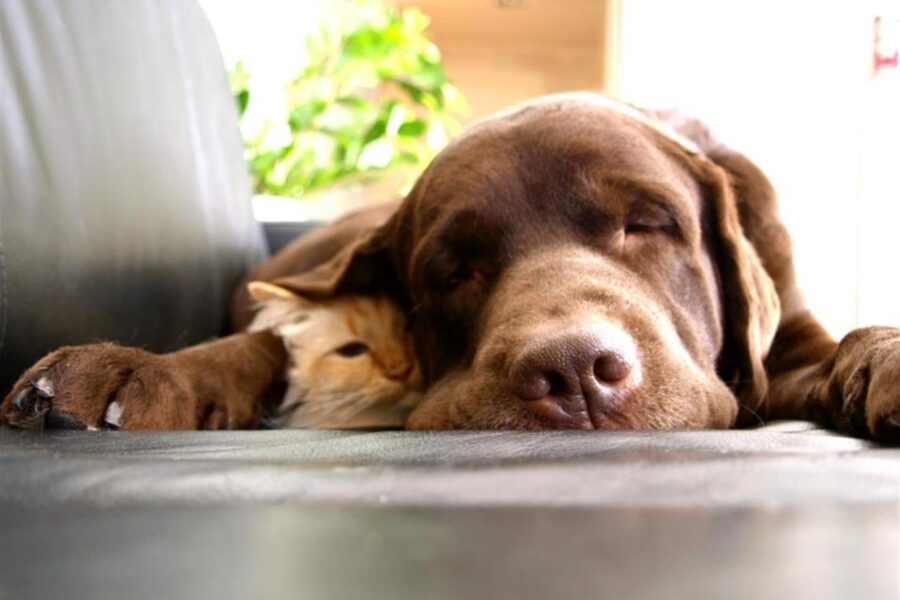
x,y
125,215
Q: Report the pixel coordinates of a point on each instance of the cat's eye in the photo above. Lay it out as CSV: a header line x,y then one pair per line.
x,y
352,349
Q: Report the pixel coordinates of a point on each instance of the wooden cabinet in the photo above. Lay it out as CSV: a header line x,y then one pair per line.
x,y
500,52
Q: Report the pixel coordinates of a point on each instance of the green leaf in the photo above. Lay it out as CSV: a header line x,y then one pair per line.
x,y
430,76
354,102
414,93
375,131
413,128
242,98
410,158
302,116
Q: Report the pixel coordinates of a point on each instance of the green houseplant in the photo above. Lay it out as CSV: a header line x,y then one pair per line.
x,y
373,97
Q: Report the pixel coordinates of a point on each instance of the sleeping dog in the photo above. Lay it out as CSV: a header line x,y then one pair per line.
x,y
572,263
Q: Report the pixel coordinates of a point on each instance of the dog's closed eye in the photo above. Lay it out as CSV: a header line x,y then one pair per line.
x,y
645,217
462,274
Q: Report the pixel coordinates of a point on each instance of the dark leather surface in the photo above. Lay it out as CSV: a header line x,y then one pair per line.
x,y
777,466
124,198
372,552
785,511
280,234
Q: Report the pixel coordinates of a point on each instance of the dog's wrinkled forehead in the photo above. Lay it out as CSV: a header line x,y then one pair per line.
x,y
590,102
558,132
550,168
552,144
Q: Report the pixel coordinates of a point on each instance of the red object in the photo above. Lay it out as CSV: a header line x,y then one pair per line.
x,y
884,42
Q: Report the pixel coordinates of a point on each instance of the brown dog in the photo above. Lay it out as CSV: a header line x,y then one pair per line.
x,y
572,264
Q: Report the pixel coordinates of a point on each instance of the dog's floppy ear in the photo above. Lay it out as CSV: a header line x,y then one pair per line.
x,y
751,308
362,266
750,302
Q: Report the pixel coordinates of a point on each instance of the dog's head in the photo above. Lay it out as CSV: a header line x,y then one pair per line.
x,y
571,264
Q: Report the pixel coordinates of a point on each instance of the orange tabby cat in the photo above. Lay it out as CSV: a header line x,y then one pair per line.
x,y
351,361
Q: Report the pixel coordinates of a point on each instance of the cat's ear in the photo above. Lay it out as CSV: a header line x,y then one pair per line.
x,y
262,291
276,307
362,266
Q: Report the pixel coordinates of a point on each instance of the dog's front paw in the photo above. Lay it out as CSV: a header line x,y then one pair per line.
x,y
101,386
866,375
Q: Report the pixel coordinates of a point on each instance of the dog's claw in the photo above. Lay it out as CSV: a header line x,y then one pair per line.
x,y
61,420
44,387
22,399
29,408
114,414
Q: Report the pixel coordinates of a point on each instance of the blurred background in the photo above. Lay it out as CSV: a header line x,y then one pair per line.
x,y
344,102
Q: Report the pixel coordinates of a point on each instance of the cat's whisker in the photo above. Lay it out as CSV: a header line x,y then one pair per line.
x,y
288,409
347,405
330,406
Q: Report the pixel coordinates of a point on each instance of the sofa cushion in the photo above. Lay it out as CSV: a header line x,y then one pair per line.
x,y
124,197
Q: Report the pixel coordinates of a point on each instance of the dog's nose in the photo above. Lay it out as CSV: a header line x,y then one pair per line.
x,y
593,365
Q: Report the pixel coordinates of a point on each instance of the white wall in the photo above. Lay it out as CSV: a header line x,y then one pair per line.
x,y
268,37
788,83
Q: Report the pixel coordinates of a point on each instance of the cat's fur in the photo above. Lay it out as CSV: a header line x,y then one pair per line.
x,y
351,360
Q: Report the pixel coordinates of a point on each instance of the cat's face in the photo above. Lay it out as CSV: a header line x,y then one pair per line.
x,y
351,359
